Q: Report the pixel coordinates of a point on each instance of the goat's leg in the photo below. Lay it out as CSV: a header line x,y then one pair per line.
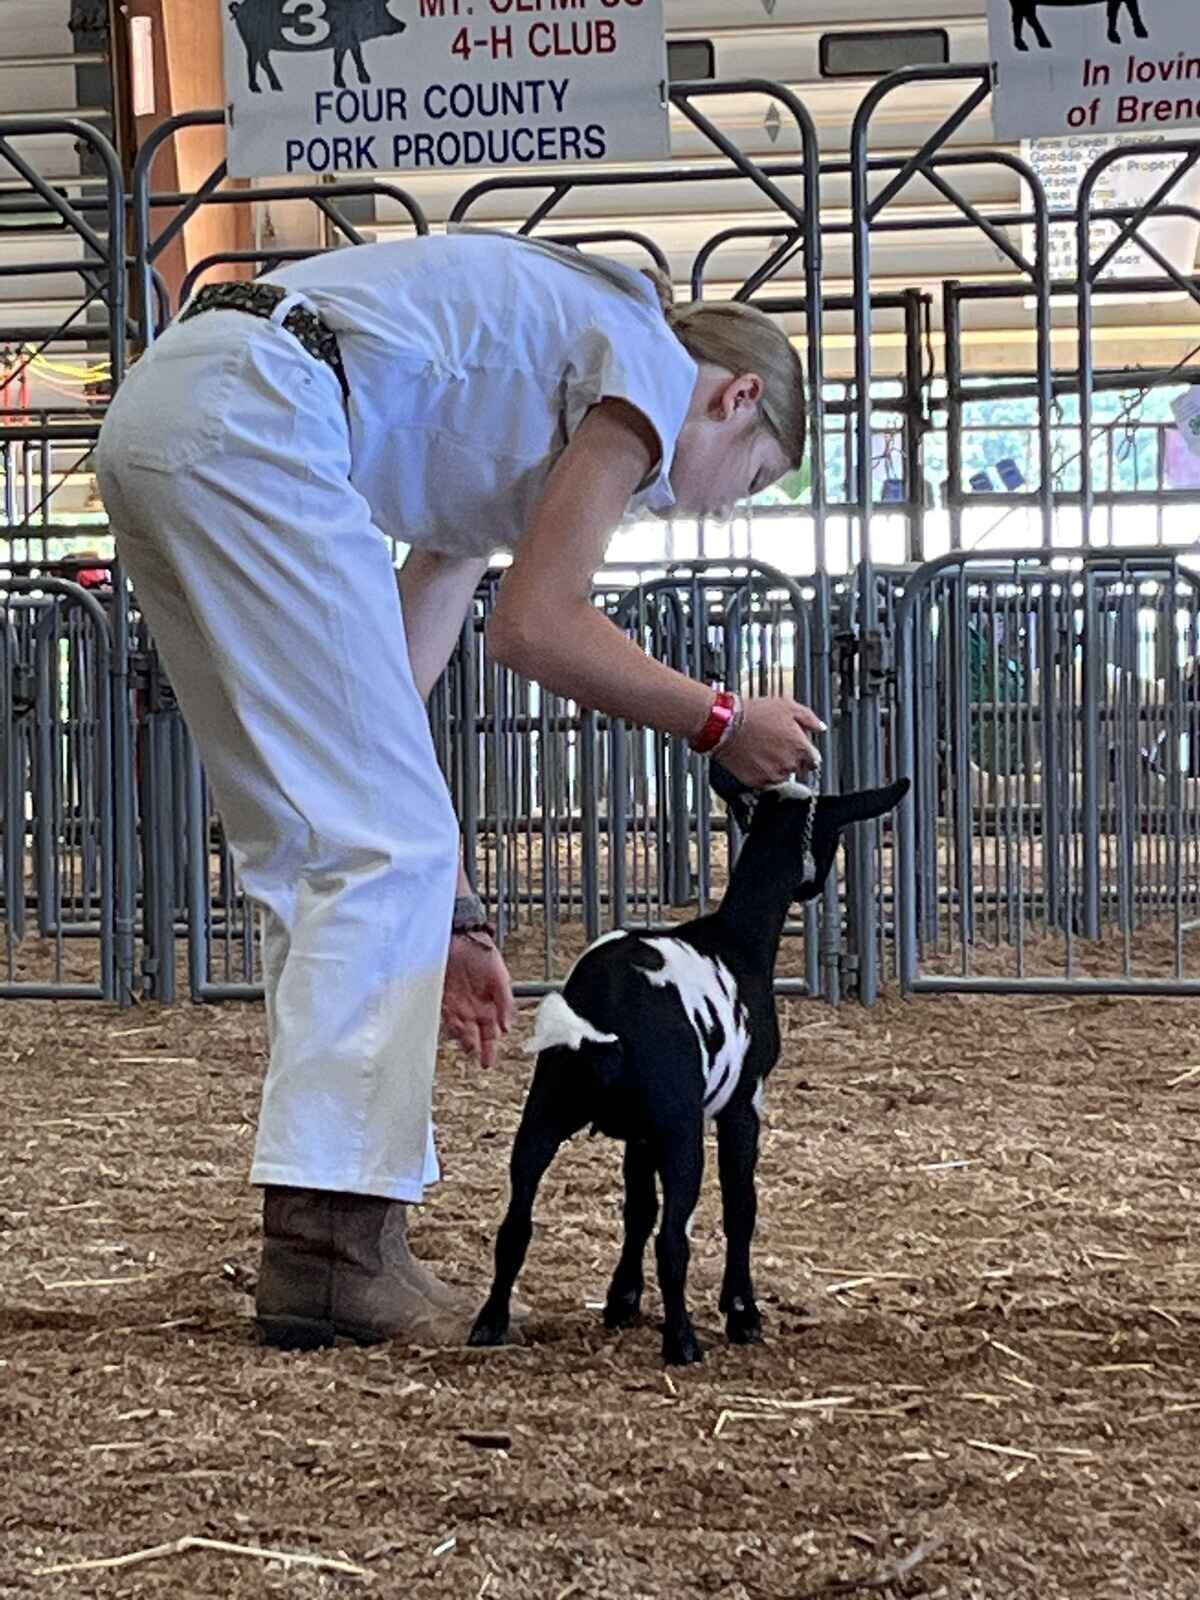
x,y
681,1165
737,1155
624,1304
545,1123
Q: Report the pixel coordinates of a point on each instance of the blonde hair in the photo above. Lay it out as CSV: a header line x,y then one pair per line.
x,y
724,333
740,338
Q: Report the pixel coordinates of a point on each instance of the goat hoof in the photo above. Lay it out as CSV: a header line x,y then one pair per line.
x,y
490,1329
623,1311
743,1321
681,1349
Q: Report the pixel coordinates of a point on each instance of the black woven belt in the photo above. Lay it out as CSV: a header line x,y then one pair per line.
x,y
260,300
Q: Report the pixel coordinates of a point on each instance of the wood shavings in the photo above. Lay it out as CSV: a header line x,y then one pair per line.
x,y
893,1573
1003,1450
158,1061
1168,1411
1071,1241
771,1402
1157,1311
178,1547
101,1283
1007,1350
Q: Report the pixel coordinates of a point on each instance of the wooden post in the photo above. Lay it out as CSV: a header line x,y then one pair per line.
x,y
186,37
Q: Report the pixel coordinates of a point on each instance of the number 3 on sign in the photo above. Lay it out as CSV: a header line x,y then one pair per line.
x,y
312,27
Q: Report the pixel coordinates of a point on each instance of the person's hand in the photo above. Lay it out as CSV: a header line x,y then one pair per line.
x,y
477,1000
772,745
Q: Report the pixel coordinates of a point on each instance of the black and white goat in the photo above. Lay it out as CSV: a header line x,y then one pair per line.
x,y
653,1035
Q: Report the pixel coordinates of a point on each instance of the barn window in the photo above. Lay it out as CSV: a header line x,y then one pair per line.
x,y
689,60
873,52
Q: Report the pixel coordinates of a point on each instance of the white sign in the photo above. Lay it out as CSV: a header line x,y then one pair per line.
x,y
365,86
1187,418
1061,165
1094,66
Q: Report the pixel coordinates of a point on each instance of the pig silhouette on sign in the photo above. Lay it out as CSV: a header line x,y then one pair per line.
x,y
1026,11
338,25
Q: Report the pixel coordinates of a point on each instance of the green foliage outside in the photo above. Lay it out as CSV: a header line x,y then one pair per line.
x,y
1127,427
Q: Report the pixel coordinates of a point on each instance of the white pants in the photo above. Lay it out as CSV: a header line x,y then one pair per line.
x,y
224,464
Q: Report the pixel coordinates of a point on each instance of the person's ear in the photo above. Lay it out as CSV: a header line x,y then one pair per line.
x,y
738,397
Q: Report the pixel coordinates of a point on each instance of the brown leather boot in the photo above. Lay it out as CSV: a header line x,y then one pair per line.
x,y
449,1296
338,1265
446,1296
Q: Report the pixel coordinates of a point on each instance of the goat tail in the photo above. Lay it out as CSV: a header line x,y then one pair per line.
x,y
574,1045
558,1026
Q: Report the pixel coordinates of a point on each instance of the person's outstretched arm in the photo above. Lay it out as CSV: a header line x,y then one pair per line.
x,y
546,627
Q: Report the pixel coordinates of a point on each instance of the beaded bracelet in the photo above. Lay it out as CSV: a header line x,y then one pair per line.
x,y
470,917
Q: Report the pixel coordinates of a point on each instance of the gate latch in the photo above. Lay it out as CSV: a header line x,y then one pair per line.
x,y
865,659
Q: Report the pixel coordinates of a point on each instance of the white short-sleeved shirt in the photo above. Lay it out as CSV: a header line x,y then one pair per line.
x,y
471,361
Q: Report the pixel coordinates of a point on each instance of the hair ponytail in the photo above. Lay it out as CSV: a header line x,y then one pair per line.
x,y
664,289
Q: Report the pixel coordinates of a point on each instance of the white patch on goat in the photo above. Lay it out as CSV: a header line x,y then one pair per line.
x,y
757,1102
708,994
558,1026
793,789
605,938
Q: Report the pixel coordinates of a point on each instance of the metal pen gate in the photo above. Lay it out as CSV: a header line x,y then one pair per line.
x,y
1047,714
58,824
1042,700
574,822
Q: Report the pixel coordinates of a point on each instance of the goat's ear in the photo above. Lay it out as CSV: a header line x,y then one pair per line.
x,y
838,811
841,810
735,794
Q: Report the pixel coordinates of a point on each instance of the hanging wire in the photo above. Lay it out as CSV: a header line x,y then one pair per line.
x,y
1129,438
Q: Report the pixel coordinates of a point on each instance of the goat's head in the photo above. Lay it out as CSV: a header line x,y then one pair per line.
x,y
783,812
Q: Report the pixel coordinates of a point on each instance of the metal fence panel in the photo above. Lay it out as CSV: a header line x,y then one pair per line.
x,y
58,822
1047,714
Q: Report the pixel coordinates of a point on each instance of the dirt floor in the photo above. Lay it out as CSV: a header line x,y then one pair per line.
x,y
977,1254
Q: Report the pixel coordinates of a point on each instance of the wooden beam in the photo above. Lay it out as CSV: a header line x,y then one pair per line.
x,y
188,76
